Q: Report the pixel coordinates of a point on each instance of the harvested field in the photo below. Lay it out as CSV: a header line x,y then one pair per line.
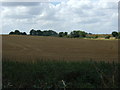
x,y
28,48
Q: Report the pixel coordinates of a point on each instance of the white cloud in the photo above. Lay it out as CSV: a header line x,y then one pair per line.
x,y
69,15
31,0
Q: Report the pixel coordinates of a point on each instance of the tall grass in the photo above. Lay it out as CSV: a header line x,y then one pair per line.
x,y
60,74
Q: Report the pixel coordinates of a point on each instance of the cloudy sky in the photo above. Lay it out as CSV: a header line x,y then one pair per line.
x,y
95,16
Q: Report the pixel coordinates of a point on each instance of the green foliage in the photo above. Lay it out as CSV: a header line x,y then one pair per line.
x,y
11,33
96,36
118,37
50,74
66,33
23,33
17,32
62,34
73,34
78,33
39,33
114,34
107,37
43,33
49,33
32,32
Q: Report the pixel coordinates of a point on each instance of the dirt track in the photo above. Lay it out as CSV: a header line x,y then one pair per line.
x,y
53,48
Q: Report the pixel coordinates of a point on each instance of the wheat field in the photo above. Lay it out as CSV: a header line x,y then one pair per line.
x,y
27,48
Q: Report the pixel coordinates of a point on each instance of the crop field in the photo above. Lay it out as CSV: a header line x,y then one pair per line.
x,y
59,62
27,48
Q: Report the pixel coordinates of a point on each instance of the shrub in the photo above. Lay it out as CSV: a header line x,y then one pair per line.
x,y
96,36
107,37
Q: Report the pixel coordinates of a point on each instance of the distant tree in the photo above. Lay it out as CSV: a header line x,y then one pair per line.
x,y
96,36
49,33
17,32
61,34
23,33
78,34
74,34
32,32
107,37
45,33
39,33
114,34
118,36
11,33
82,33
90,33
66,33
52,33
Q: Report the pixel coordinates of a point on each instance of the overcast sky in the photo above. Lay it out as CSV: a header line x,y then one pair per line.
x,y
95,16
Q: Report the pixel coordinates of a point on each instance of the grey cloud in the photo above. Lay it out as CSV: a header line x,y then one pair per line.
x,y
35,10
61,17
90,21
13,4
20,16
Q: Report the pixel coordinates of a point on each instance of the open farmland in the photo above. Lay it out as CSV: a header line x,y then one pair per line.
x,y
28,48
48,70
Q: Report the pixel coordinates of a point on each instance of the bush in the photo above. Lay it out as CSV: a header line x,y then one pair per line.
x,y
77,34
107,37
96,36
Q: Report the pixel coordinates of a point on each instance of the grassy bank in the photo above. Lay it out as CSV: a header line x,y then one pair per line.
x,y
60,74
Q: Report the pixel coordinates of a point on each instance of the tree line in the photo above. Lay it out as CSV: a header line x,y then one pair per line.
x,y
17,32
33,32
43,33
72,34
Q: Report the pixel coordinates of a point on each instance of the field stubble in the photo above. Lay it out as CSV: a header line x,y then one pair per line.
x,y
27,48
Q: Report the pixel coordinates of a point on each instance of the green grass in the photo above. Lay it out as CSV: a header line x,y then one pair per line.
x,y
49,74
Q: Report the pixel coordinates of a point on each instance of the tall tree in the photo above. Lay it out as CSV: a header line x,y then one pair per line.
x,y
60,34
17,32
32,32
39,33
66,33
114,34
